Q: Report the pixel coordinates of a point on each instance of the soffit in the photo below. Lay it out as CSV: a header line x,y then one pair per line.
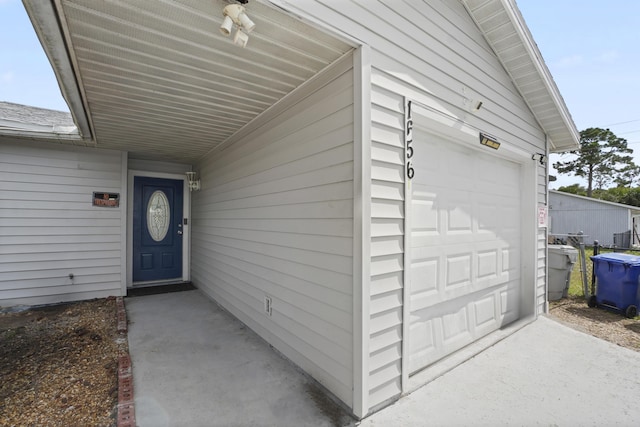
x,y
159,80
505,30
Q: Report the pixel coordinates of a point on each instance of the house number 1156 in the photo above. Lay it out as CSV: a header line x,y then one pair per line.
x,y
409,139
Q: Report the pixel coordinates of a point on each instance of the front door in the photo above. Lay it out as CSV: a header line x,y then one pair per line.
x,y
157,229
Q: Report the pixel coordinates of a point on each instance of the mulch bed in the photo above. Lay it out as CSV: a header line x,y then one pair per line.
x,y
59,365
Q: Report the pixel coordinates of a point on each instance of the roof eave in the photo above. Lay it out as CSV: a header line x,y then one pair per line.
x,y
44,19
560,140
11,135
634,209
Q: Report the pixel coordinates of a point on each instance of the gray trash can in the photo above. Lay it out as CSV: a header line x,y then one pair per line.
x,y
561,260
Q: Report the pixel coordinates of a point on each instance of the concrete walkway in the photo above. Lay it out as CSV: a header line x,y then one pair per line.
x,y
195,365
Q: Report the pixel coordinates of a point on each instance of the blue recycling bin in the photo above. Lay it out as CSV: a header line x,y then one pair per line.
x,y
617,278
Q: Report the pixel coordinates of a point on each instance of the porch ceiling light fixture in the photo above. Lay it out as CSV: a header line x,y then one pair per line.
x,y
236,14
194,183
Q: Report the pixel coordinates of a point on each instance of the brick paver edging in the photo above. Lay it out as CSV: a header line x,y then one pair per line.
x,y
121,316
126,410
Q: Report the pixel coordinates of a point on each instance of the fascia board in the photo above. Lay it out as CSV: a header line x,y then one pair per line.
x,y
44,18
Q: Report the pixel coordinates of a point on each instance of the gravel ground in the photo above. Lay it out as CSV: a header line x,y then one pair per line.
x,y
605,324
58,365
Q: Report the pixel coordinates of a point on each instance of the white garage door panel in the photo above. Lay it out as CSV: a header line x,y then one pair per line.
x,y
465,247
448,276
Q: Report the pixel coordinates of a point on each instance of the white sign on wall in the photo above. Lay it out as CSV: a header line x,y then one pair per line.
x,y
543,214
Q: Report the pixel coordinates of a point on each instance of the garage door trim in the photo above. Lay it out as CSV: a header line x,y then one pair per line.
x,y
461,131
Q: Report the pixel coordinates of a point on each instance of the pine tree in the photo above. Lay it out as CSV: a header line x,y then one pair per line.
x,y
603,159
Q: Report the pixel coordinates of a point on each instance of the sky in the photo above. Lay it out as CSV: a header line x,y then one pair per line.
x,y
591,47
26,76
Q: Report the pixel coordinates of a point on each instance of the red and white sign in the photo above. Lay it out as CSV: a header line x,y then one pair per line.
x,y
543,214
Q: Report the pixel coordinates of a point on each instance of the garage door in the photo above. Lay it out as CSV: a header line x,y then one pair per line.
x,y
465,237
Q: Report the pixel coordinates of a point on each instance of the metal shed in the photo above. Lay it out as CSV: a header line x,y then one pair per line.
x,y
596,219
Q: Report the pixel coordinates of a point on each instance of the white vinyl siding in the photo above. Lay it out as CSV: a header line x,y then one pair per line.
x,y
432,53
275,218
541,279
387,242
541,249
157,166
49,228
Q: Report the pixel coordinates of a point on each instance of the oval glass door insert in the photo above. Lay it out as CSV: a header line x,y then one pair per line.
x,y
158,216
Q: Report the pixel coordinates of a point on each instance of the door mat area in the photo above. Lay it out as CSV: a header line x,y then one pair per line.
x,y
159,289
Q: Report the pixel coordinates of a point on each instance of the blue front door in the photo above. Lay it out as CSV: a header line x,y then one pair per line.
x,y
157,229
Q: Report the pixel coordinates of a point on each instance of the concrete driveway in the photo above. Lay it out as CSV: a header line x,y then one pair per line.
x,y
545,374
195,365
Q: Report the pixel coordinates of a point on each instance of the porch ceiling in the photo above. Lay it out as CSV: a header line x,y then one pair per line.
x,y
159,80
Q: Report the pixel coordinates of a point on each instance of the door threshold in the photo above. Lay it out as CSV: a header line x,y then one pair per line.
x,y
159,288
164,282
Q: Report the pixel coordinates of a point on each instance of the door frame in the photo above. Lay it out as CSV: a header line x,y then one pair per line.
x,y
458,131
186,212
